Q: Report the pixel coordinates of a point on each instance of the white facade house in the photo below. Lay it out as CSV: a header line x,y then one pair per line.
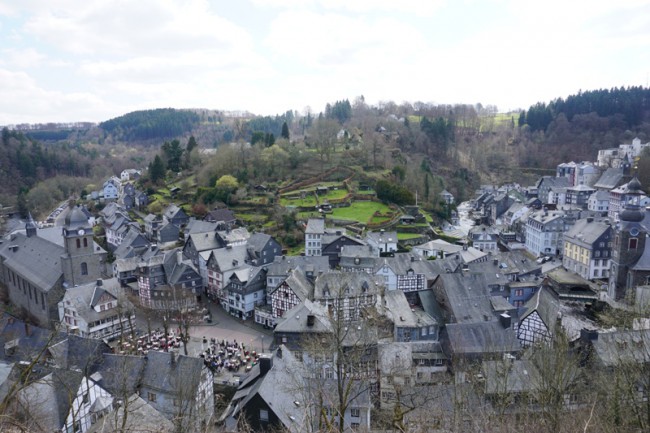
x,y
484,240
96,310
111,189
385,242
544,230
130,174
91,402
313,237
437,248
598,201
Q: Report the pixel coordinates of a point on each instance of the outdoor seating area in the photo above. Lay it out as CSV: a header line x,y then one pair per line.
x,y
228,356
142,344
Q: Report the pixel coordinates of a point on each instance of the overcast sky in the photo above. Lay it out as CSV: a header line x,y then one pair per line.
x,y
92,60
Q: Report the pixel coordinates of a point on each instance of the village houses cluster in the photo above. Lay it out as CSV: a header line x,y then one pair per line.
x,y
537,257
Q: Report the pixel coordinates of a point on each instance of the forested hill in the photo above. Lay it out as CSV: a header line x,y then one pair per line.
x,y
162,123
627,106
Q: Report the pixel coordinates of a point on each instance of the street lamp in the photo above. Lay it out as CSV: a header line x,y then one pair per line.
x,y
262,344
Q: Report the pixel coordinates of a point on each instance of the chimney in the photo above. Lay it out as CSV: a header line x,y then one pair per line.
x,y
311,319
100,282
495,262
179,257
266,362
588,334
505,320
590,219
28,329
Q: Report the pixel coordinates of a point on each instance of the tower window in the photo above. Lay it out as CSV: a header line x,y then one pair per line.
x,y
78,243
84,268
85,242
633,243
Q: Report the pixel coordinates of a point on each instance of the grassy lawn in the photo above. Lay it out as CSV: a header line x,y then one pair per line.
x,y
334,194
361,211
405,236
309,200
252,218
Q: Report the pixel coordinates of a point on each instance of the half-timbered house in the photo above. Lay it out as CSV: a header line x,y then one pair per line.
x,y
537,322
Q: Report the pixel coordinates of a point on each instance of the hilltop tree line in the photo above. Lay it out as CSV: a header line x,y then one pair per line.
x,y
152,124
632,104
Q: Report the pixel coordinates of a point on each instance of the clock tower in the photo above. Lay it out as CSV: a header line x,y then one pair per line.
x,y
629,245
83,261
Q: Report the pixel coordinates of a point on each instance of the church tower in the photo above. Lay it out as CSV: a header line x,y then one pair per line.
x,y
629,242
30,227
81,263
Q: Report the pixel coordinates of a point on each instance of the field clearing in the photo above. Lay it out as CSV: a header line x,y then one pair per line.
x,y
361,211
406,236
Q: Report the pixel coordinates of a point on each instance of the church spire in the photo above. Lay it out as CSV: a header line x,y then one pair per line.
x,y
30,227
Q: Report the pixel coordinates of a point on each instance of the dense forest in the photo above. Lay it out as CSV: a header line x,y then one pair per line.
x,y
161,123
452,147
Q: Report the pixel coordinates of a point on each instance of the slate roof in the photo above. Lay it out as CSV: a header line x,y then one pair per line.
x,y
224,214
166,371
35,259
382,237
28,340
121,374
509,376
600,195
225,257
643,264
315,225
330,238
554,182
206,241
400,263
283,265
398,310
299,284
481,338
141,417
468,297
295,320
198,226
172,211
612,348
440,245
587,232
278,389
507,263
83,297
78,353
358,257
175,271
610,179
132,244
344,284
546,305
234,236
61,382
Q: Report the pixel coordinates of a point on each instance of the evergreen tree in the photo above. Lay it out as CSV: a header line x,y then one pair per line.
x,y
157,169
285,131
21,204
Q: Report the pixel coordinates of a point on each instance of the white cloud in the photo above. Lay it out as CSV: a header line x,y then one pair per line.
x,y
422,7
33,104
125,28
22,58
